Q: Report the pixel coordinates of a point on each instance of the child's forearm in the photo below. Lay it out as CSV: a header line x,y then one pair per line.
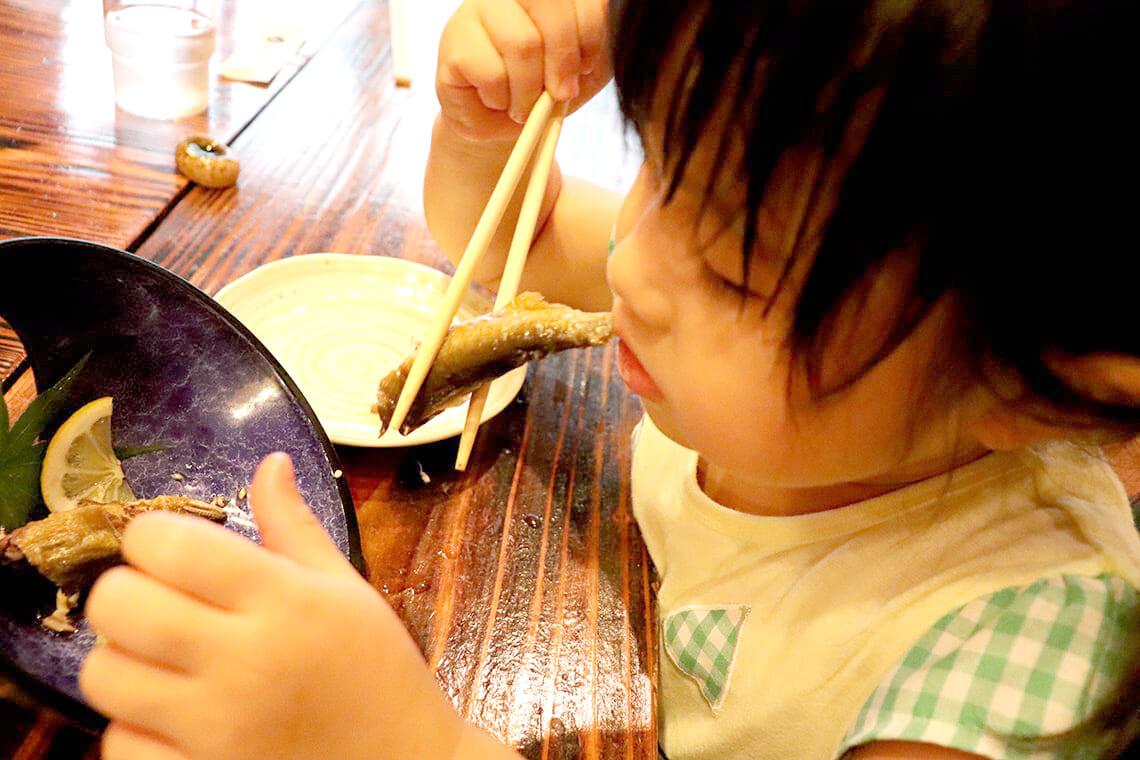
x,y
567,258
458,180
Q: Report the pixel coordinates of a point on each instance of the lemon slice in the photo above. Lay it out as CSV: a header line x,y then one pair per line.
x,y
80,463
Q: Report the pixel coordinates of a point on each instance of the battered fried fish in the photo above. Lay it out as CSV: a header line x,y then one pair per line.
x,y
481,349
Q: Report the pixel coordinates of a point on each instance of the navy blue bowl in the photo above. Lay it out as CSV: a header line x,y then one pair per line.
x,y
184,375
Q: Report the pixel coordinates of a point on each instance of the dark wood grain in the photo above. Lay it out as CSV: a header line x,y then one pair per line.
x,y
75,165
71,163
523,579
11,354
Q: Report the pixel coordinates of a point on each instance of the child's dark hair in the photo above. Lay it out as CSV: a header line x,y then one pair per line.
x,y
1003,153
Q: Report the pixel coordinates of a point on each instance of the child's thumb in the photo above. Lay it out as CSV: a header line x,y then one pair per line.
x,y
287,525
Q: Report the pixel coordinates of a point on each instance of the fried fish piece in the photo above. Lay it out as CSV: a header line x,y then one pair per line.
x,y
483,348
71,548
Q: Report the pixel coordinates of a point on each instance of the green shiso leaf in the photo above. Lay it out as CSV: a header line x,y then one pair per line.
x,y
19,488
44,408
22,450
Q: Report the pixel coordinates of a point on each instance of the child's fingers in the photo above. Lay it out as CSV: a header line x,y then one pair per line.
x,y
148,619
195,556
465,114
520,45
592,34
132,690
217,565
497,56
557,23
470,61
472,86
122,742
288,527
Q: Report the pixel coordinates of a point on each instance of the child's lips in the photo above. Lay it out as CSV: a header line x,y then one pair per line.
x,y
635,376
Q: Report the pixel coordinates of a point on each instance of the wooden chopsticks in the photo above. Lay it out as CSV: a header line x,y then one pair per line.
x,y
401,64
538,125
512,271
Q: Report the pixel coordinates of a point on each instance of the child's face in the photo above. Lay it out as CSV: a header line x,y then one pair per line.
x,y
707,351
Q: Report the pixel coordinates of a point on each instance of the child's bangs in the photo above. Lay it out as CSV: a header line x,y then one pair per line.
x,y
787,75
997,130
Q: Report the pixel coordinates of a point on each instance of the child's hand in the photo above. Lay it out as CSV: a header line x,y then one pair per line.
x,y
497,56
217,648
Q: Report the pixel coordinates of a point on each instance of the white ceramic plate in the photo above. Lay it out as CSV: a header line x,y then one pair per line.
x,y
340,322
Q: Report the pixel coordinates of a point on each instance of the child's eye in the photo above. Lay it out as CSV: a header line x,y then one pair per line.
x,y
718,250
725,285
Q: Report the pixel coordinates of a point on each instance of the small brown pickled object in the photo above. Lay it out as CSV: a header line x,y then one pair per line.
x,y
207,162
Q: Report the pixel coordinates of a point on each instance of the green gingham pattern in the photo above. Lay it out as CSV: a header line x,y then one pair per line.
x,y
701,642
1022,662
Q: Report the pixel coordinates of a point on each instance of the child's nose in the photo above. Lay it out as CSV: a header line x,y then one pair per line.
x,y
634,277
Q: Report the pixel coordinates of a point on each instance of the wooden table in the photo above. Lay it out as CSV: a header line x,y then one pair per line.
x,y
523,580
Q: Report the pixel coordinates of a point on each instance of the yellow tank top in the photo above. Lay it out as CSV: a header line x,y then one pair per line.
x,y
775,630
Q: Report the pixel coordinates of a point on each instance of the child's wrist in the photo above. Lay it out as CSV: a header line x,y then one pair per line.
x,y
447,135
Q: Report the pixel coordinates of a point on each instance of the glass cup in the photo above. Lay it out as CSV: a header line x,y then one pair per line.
x,y
160,55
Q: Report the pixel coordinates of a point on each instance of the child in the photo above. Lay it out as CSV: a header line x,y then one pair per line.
x,y
867,287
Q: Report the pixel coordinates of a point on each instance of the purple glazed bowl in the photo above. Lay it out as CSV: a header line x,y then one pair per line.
x,y
184,375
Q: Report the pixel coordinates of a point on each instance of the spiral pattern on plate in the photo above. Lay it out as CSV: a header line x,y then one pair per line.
x,y
340,322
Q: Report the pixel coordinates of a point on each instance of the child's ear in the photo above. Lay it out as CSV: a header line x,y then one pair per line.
x,y
1108,378
1003,427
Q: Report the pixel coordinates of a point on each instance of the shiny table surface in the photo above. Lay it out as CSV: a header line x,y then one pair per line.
x,y
523,580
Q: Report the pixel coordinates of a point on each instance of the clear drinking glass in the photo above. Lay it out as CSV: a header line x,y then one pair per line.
x,y
160,54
